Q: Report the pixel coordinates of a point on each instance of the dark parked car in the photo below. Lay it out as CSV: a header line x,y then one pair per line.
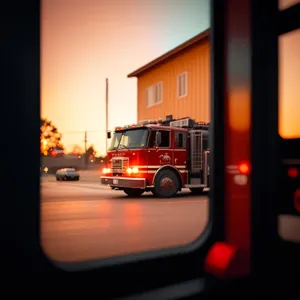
x,y
67,174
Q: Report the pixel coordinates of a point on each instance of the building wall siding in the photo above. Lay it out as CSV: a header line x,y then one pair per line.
x,y
194,60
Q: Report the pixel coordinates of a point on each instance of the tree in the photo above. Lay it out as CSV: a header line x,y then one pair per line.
x,y
50,137
77,150
91,152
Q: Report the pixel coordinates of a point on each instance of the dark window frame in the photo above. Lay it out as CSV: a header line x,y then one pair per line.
x,y
180,264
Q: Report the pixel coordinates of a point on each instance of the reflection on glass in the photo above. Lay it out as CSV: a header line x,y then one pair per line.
x,y
284,4
289,85
129,139
289,228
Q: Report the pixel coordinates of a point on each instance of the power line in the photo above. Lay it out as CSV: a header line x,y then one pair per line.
x,y
82,131
85,137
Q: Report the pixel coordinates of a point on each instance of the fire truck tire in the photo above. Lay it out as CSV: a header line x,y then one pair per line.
x,y
197,190
133,192
166,184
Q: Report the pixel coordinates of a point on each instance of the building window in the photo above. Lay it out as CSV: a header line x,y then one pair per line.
x,y
149,96
154,94
182,85
158,93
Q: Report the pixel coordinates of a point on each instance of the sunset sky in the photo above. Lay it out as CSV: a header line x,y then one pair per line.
x,y
85,41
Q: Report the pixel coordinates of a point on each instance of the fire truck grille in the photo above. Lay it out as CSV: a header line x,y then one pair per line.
x,y
197,155
119,165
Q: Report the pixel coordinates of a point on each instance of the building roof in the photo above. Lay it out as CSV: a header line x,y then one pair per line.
x,y
162,58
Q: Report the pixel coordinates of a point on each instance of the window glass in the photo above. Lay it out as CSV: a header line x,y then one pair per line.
x,y
136,138
284,4
182,85
158,93
115,140
165,139
150,96
289,128
151,143
154,94
180,140
289,87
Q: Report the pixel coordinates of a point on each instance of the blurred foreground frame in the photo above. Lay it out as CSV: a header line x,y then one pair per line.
x,y
21,249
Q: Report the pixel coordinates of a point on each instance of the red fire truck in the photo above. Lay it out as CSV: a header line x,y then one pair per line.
x,y
158,156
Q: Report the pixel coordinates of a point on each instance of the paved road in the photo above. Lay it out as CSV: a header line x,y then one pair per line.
x,y
84,220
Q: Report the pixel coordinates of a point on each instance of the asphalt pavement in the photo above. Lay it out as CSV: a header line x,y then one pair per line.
x,y
84,220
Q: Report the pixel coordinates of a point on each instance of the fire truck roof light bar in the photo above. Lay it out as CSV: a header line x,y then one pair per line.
x,y
182,123
188,123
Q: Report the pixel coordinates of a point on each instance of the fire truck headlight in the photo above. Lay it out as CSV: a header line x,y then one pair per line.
x,y
106,170
132,170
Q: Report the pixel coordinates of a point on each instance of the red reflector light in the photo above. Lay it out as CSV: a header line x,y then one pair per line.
x,y
297,200
293,172
244,168
226,261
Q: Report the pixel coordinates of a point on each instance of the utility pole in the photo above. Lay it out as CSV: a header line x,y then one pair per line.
x,y
85,150
106,117
85,141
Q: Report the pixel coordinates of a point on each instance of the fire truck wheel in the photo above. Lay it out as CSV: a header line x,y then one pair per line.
x,y
133,192
197,190
166,184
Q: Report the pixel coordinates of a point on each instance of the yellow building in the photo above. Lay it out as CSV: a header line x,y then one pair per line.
x,y
176,83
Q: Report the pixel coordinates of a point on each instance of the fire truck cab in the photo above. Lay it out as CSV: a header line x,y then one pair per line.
x,y
158,156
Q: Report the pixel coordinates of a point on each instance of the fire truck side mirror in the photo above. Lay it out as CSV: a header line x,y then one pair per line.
x,y
108,134
157,138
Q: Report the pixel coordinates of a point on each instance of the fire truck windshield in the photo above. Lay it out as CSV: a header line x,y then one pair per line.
x,y
130,139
